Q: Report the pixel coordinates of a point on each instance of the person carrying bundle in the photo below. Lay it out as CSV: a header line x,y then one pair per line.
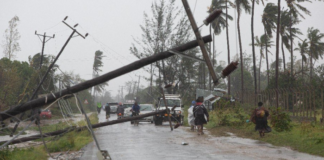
x,y
260,118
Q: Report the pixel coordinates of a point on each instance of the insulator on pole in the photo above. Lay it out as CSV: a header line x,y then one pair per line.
x,y
216,13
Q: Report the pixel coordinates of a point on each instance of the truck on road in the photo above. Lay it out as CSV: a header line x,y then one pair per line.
x,y
176,115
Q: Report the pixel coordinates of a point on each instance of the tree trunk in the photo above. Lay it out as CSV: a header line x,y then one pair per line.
x,y
277,55
253,49
241,54
266,51
151,81
283,56
303,69
291,49
260,72
228,54
311,67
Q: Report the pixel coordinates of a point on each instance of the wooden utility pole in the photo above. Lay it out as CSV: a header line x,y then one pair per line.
x,y
43,46
200,41
138,83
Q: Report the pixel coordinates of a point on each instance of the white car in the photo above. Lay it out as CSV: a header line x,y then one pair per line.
x,y
146,108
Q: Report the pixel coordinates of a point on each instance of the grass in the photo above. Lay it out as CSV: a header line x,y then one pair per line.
x,y
307,137
33,153
7,131
72,141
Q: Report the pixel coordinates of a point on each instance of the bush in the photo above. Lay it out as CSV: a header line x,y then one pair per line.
x,y
280,120
228,114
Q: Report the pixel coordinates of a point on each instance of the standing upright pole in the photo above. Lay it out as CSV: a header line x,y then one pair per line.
x,y
43,46
139,78
200,41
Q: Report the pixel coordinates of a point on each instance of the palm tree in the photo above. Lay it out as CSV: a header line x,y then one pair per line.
x,y
316,47
269,17
253,49
97,64
284,23
294,11
277,54
303,49
218,24
241,4
262,43
285,34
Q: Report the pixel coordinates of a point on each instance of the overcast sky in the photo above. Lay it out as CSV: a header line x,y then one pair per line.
x,y
111,24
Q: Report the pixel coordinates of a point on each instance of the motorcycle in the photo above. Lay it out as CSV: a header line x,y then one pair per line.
x,y
135,122
120,116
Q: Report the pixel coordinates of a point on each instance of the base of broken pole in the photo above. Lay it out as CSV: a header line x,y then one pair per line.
x,y
105,154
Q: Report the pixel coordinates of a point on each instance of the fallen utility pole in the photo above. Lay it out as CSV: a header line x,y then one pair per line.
x,y
49,98
98,125
199,39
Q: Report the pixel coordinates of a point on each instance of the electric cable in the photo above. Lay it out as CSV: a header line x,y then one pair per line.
x,y
8,142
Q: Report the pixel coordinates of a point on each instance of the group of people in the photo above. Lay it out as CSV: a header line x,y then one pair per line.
x,y
120,109
198,116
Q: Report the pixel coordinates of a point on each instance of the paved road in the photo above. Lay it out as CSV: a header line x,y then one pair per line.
x,y
148,142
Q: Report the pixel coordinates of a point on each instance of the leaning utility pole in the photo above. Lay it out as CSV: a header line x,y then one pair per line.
x,y
49,69
201,43
43,46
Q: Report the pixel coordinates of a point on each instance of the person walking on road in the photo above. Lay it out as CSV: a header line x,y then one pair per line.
x,y
191,118
260,118
107,109
120,110
199,113
99,107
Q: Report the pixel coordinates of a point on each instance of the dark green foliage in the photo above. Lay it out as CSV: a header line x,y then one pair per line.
x,y
280,121
229,113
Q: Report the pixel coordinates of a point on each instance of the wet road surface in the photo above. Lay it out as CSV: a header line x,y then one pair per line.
x,y
148,142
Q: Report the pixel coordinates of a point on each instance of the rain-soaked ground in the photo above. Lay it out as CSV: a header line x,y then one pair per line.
x,y
148,142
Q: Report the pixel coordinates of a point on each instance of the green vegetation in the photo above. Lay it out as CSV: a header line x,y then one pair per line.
x,y
72,141
7,131
305,137
33,153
